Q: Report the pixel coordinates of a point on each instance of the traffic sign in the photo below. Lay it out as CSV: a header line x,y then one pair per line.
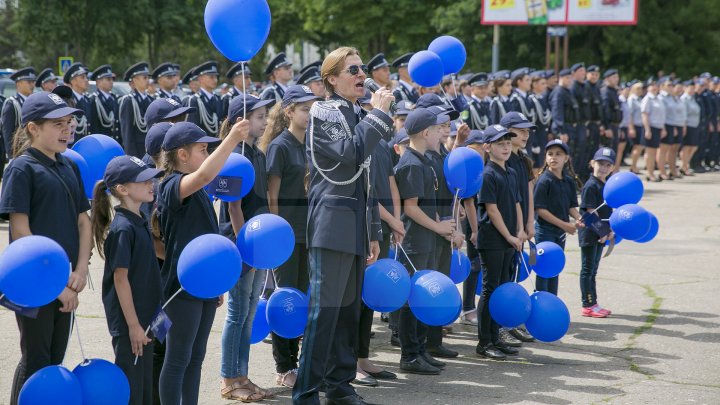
x,y
64,63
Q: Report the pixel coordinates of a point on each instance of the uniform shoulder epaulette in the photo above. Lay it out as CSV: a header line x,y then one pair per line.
x,y
328,111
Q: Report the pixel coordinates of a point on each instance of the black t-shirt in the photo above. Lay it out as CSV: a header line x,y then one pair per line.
x,y
381,169
499,187
129,245
415,179
444,195
555,195
518,164
591,198
181,221
286,159
29,187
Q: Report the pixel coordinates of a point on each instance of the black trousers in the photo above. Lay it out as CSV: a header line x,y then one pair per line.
x,y
328,359
699,156
411,331
158,357
293,273
443,253
498,265
140,375
43,342
366,314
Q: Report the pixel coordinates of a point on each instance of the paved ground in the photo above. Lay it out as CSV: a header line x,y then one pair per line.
x,y
660,346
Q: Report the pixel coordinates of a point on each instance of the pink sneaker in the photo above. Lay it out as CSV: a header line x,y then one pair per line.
x,y
603,310
593,313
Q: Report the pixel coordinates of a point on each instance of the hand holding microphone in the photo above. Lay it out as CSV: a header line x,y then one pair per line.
x,y
382,98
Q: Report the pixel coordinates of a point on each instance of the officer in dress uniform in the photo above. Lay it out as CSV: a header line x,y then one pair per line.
x,y
597,134
379,70
235,74
405,91
208,106
77,78
165,75
519,102
565,108
132,110
191,80
310,77
46,80
104,115
579,143
12,110
479,102
280,73
500,103
538,99
612,108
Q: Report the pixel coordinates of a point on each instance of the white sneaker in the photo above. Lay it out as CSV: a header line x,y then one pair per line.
x,y
469,318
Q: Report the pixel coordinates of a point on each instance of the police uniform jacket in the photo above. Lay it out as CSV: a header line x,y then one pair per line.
x,y
208,111
519,102
132,123
341,138
479,112
10,117
405,92
595,103
104,115
612,108
164,94
565,110
273,92
83,128
581,94
227,97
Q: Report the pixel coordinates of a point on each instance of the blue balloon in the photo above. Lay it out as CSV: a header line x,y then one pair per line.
x,y
386,286
459,266
51,385
631,221
103,382
479,286
260,327
84,169
435,299
550,259
209,266
618,239
510,305
236,168
623,188
419,274
652,232
97,150
549,318
266,241
34,270
238,28
451,51
523,268
287,312
392,253
463,168
426,68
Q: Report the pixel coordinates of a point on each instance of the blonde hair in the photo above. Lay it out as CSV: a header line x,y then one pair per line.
x,y
22,139
278,121
334,63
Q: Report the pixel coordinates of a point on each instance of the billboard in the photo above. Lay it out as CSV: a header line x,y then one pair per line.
x,y
559,12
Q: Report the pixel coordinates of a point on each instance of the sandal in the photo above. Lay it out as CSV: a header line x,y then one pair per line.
x,y
287,379
265,393
241,392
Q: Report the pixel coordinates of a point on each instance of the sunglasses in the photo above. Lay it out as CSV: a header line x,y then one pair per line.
x,y
355,69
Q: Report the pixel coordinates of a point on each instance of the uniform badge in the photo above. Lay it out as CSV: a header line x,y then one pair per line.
x,y
55,98
137,161
333,130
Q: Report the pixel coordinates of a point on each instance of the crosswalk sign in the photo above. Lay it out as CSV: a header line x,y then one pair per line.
x,y
64,63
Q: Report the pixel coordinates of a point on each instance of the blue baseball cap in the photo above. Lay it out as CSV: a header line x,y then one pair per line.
x,y
515,119
155,136
298,94
186,133
564,72
164,109
45,105
558,142
606,154
421,119
246,104
404,107
429,100
495,132
445,110
476,136
401,137
128,169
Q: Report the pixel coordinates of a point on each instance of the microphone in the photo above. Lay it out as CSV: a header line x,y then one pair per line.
x,y
372,85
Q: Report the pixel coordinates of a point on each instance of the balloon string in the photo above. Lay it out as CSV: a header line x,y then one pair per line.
x,y
407,257
600,206
3,295
456,217
396,250
242,67
147,330
90,282
265,285
522,258
77,332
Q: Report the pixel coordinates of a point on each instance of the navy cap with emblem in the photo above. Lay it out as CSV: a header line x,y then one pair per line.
x,y
237,69
404,107
574,68
558,143
155,136
610,72
309,76
466,76
189,76
163,69
140,68
26,73
316,65
128,169
515,119
401,137
476,136
176,67
542,74
606,154
501,74
207,68
278,61
76,69
45,105
429,100
102,72
479,79
163,109
564,72
593,68
246,104
549,73
421,119
495,132
517,73
402,60
378,61
444,110
186,133
45,76
298,94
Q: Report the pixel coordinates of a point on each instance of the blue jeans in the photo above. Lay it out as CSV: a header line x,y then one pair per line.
x,y
545,233
591,256
242,302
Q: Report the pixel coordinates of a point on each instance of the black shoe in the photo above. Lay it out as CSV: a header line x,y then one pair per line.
x,y
368,381
508,339
372,334
490,351
432,361
383,375
395,339
418,366
442,352
348,400
522,335
503,347
699,169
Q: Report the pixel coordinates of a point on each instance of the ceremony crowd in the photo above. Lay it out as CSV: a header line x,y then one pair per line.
x,y
354,172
